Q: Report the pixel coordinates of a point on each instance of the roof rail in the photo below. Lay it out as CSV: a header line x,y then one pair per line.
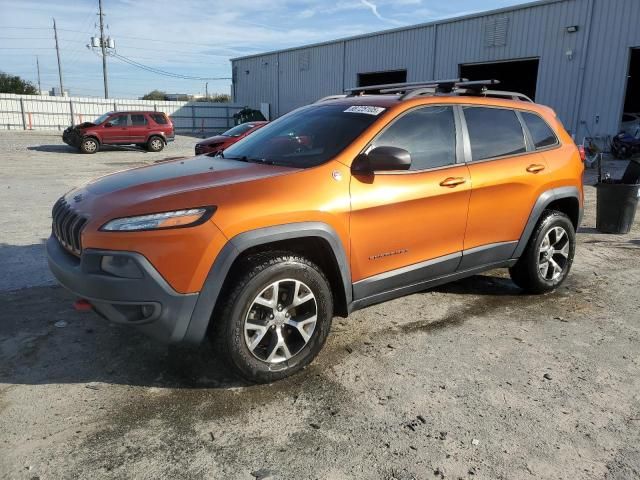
x,y
497,94
403,87
329,97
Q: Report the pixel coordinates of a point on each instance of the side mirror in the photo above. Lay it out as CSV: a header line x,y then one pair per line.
x,y
108,124
382,159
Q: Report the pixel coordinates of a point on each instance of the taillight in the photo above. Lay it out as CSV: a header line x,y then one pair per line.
x,y
583,154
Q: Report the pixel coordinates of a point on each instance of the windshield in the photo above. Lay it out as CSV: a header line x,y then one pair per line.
x,y
239,130
305,137
101,118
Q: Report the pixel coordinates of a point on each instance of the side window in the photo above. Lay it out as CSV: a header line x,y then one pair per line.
x,y
493,132
138,120
428,134
118,121
541,133
159,118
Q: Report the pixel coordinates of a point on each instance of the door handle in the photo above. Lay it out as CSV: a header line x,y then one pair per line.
x,y
452,182
535,168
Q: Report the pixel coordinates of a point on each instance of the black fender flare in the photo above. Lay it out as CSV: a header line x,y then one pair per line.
x,y
210,291
544,200
90,135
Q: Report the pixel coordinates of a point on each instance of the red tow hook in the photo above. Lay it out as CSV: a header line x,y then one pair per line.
x,y
82,305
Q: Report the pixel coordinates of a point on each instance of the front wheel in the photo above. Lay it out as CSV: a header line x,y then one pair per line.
x,y
275,317
89,145
155,144
548,257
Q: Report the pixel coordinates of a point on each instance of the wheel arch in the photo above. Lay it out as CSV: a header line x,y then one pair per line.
x,y
316,240
562,199
156,134
91,135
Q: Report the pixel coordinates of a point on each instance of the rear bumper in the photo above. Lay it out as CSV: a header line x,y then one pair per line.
x,y
147,303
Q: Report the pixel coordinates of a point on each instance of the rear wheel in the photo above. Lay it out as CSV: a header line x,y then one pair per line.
x,y
275,317
89,145
546,261
155,144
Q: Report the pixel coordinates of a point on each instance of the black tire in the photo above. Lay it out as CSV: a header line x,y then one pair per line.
x,y
89,145
529,272
155,144
252,278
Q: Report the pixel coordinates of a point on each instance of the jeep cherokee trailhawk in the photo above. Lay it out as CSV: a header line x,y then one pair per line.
x,y
333,207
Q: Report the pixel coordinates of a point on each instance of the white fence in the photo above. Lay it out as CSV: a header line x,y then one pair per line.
x,y
36,112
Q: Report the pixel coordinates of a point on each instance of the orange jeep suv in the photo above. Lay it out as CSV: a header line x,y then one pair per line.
x,y
333,207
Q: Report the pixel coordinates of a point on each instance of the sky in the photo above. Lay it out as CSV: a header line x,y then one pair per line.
x,y
188,38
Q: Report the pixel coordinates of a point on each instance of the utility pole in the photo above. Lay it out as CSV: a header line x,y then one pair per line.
x,y
55,35
103,46
206,90
38,67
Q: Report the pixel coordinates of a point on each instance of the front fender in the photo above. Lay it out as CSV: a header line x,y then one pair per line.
x,y
210,291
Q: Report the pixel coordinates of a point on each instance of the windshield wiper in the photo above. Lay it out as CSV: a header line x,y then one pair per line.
x,y
245,158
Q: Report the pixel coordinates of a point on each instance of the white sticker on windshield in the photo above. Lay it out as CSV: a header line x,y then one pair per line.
x,y
366,109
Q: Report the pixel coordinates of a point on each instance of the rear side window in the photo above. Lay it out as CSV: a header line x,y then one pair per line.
x,y
494,132
138,120
428,134
159,118
541,133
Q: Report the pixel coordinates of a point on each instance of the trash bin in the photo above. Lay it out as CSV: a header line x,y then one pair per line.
x,y
617,201
616,207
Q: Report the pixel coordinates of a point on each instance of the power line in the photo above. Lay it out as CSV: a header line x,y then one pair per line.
x,y
163,72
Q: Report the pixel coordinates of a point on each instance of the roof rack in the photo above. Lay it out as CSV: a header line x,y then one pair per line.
x,y
457,86
403,87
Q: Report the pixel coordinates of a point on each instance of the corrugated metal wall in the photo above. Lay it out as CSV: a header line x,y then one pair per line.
x,y
585,87
54,113
615,31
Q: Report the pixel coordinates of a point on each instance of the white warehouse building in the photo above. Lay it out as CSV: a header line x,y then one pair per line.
x,y
581,57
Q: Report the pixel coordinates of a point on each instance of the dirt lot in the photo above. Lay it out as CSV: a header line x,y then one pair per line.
x,y
471,380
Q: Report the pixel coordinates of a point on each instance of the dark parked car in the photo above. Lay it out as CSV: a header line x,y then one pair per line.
x,y
152,130
219,142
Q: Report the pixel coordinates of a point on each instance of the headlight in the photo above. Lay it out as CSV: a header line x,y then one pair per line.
x,y
159,221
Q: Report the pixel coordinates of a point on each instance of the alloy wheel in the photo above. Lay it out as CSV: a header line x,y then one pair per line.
x,y
553,255
281,321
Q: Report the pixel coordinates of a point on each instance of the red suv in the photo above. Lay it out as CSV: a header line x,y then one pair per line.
x,y
152,130
219,142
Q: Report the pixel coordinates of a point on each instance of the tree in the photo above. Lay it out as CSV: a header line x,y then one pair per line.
x,y
216,98
15,84
155,95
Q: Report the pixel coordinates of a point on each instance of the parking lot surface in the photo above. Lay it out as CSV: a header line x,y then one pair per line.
x,y
469,380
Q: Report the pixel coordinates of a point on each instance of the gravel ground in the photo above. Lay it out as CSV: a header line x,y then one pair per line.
x,y
470,380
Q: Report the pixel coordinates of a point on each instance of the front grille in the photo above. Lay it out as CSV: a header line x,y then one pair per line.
x,y
67,226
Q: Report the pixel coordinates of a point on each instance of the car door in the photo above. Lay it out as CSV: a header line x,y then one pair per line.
x,y
139,128
408,226
116,129
507,175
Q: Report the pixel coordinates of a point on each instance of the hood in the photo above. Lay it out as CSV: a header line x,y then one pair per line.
x,y
85,125
182,183
215,140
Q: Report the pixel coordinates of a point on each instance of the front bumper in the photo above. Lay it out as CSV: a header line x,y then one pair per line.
x,y
71,137
147,303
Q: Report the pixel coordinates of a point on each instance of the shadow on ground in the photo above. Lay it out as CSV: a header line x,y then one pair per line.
x,y
43,340
70,149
